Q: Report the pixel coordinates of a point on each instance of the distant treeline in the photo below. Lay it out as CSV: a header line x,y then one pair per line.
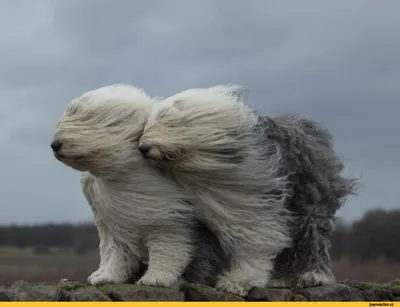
x,y
81,237
375,235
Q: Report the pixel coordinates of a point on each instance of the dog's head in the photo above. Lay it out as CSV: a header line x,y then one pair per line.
x,y
197,128
101,128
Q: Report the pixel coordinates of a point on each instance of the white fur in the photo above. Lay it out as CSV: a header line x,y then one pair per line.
x,y
197,135
139,214
314,278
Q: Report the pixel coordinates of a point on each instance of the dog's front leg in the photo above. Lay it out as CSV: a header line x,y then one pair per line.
x,y
252,256
118,262
169,254
246,272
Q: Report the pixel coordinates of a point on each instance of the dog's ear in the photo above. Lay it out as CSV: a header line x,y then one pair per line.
x,y
178,104
74,107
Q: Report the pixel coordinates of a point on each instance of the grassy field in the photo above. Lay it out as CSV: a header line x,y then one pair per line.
x,y
28,265
50,267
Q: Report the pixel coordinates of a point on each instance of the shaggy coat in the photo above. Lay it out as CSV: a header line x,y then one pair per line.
x,y
269,188
141,216
317,189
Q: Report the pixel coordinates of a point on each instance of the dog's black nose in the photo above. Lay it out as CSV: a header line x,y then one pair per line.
x,y
144,148
56,145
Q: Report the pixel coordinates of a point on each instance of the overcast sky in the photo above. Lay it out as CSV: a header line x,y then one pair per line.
x,y
335,61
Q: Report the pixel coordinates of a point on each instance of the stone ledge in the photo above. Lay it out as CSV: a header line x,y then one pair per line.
x,y
346,290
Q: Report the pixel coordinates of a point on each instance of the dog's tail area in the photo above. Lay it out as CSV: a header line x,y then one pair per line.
x,y
313,166
339,185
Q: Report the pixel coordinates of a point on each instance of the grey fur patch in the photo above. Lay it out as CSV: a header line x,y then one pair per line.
x,y
208,260
317,190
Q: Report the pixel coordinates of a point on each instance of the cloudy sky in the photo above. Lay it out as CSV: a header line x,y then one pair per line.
x,y
334,61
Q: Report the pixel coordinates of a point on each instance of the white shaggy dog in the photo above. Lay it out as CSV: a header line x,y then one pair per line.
x,y
267,187
140,215
211,144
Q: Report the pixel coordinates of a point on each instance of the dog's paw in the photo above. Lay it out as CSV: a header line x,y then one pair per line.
x,y
106,275
235,287
160,279
241,282
313,279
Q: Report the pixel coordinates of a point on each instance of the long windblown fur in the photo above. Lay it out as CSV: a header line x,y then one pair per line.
x,y
317,190
269,188
140,214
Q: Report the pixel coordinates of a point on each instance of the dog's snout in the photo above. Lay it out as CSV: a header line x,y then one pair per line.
x,y
144,148
56,145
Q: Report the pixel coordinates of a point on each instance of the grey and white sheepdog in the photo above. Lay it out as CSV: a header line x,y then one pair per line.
x,y
141,215
267,187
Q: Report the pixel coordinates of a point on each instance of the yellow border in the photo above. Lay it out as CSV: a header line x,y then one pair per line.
x,y
148,304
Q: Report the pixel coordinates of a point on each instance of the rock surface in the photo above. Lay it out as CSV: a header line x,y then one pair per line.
x,y
347,290
203,293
